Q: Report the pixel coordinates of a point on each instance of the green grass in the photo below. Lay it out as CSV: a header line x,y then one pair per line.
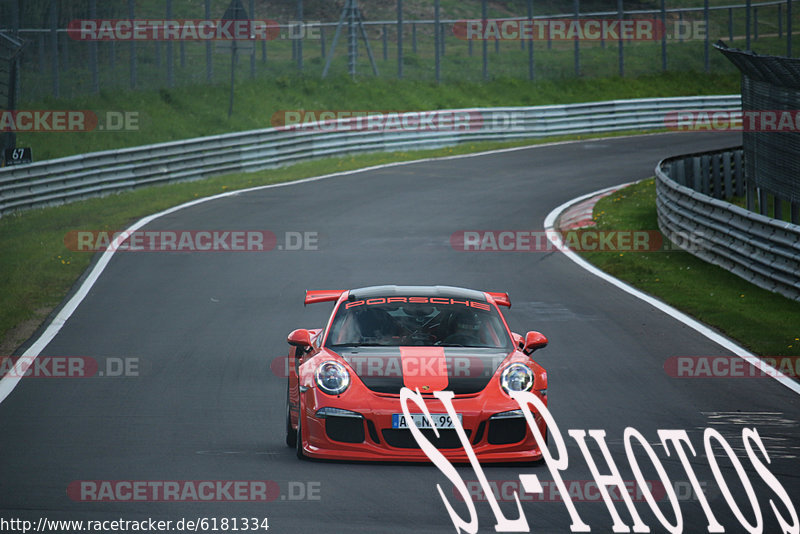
x,y
764,322
194,111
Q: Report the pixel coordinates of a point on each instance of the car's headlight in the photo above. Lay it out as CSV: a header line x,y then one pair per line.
x,y
516,377
332,377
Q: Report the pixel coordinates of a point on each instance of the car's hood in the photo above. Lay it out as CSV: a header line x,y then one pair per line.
x,y
461,370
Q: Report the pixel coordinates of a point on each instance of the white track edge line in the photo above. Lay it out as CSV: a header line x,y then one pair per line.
x,y
10,380
694,324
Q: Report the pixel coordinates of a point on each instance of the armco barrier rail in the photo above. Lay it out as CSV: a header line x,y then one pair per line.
x,y
88,175
689,193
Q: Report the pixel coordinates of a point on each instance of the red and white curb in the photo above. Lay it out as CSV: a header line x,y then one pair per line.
x,y
579,215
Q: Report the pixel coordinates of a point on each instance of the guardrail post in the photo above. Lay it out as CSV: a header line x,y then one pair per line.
x,y
680,171
697,174
726,169
739,168
777,208
716,182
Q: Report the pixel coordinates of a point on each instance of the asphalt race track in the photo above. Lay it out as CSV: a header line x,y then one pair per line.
x,y
204,328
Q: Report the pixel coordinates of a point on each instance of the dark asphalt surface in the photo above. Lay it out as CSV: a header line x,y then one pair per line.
x,y
204,328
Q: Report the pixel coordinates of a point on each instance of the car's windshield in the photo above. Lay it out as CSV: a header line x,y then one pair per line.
x,y
402,321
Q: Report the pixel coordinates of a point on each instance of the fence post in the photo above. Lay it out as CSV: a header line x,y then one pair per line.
x,y
730,24
485,45
65,51
40,41
132,46
209,61
170,58
620,50
400,39
93,51
385,42
54,46
531,70
755,24
252,14
302,36
414,37
576,45
437,50
706,44
788,28
747,24
663,35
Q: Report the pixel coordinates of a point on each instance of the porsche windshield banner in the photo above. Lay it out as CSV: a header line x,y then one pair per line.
x,y
612,487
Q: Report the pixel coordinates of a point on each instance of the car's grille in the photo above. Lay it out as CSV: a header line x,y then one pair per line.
x,y
507,430
345,429
403,439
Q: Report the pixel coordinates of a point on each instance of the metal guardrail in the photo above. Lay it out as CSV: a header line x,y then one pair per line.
x,y
762,250
73,178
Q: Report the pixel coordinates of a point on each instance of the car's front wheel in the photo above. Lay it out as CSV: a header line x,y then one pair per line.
x,y
299,439
291,434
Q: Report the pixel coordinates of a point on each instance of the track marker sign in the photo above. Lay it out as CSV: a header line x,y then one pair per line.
x,y
17,156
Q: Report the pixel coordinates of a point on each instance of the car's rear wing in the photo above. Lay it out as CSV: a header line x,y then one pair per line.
x,y
323,295
501,299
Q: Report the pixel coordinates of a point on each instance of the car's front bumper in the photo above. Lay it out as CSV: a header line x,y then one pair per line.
x,y
367,434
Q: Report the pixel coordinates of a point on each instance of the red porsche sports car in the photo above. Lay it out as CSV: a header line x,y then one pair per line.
x,y
343,395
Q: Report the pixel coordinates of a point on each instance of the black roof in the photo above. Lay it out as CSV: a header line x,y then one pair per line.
x,y
417,291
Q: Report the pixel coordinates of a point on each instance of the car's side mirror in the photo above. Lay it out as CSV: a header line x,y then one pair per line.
x,y
300,338
533,341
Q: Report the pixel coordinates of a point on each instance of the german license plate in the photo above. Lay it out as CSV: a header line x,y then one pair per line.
x,y
439,420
